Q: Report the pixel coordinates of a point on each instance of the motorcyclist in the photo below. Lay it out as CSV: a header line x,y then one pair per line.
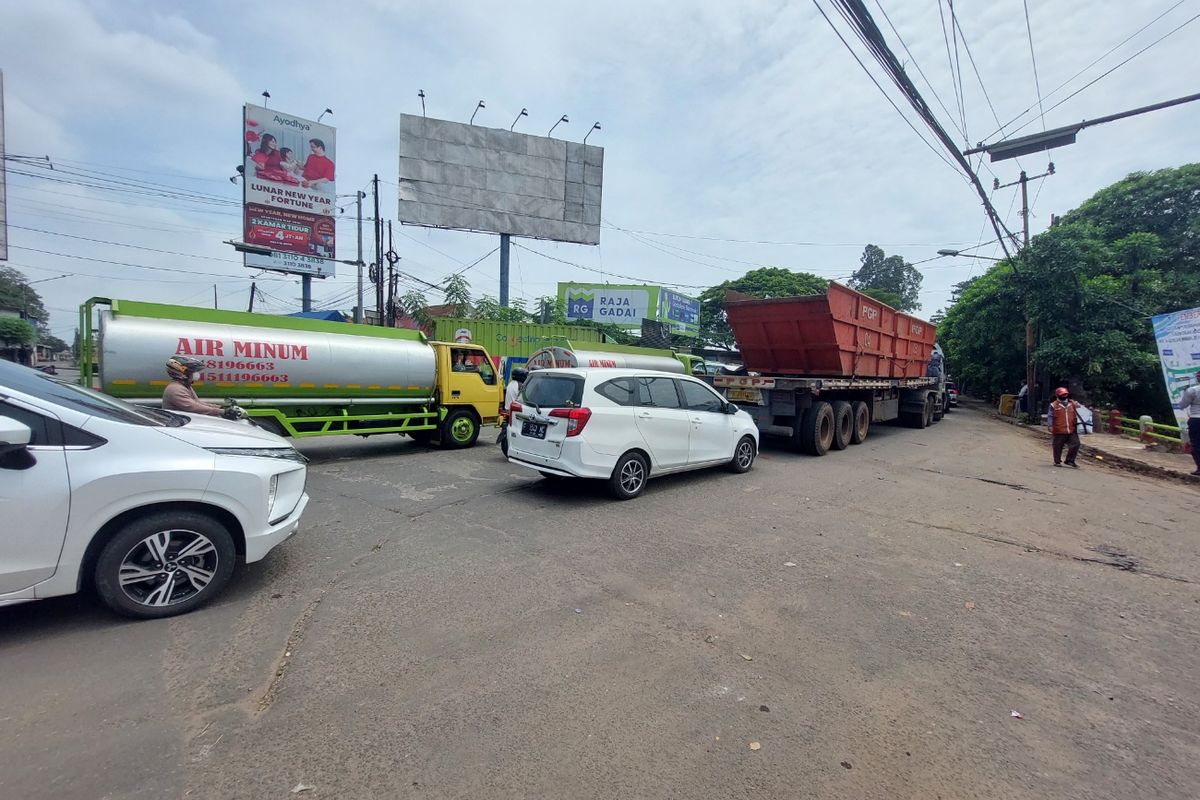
x,y
179,394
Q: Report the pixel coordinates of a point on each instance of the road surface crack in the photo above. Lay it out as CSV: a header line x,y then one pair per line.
x,y
1116,558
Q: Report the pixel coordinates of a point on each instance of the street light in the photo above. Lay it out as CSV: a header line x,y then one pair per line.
x,y
959,253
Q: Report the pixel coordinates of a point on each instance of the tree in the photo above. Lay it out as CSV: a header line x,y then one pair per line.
x,y
16,332
891,274
51,342
1088,284
488,307
16,294
416,306
885,296
764,282
458,294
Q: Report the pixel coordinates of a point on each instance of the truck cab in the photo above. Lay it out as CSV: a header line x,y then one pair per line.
x,y
467,381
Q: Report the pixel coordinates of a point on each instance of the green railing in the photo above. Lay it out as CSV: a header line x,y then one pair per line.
x,y
1143,428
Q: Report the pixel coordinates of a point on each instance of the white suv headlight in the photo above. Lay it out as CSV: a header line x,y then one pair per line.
x,y
284,493
286,453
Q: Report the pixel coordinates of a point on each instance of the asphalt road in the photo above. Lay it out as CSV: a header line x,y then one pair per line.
x,y
448,625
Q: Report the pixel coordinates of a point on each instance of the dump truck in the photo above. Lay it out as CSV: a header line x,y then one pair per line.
x,y
822,369
297,377
565,353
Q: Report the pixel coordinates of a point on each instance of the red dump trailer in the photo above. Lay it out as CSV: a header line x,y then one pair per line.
x,y
824,368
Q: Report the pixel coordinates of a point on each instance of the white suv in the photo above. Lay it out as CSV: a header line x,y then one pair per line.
x,y
151,508
626,426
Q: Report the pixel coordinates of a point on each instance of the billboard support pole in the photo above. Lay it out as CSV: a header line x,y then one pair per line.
x,y
504,237
306,292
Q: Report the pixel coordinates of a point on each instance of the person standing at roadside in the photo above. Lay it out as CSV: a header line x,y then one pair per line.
x,y
1189,401
1023,398
1062,420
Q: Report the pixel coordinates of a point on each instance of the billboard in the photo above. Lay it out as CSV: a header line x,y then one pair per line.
x,y
288,192
610,304
467,177
679,311
3,189
1178,338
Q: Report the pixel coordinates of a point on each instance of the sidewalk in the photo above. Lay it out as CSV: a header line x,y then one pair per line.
x,y
1117,451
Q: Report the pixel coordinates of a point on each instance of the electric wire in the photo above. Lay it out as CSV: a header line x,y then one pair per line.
x,y
1037,83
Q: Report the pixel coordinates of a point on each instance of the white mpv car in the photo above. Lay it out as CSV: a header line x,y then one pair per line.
x,y
626,426
151,508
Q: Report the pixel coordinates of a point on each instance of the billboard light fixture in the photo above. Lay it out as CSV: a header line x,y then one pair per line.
x,y
323,113
265,96
561,120
476,111
524,113
595,127
421,94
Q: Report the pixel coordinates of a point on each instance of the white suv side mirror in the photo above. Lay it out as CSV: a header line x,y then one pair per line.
x,y
13,435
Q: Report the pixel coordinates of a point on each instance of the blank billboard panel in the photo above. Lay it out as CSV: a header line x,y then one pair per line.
x,y
468,177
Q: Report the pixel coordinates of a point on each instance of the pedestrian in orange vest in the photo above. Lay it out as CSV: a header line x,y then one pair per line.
x,y
1062,420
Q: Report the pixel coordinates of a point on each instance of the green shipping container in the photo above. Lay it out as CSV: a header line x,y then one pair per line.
x,y
513,342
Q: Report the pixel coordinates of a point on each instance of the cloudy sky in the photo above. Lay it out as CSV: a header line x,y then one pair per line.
x,y
736,135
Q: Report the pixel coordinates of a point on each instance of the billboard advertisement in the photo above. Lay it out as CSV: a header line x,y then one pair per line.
x,y
1178,338
467,177
610,304
288,191
680,312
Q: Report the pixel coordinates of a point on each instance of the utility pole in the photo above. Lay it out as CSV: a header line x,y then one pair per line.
x,y
253,286
358,309
378,253
392,258
1030,332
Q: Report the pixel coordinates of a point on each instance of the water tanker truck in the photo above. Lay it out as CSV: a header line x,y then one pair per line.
x,y
823,368
297,377
594,354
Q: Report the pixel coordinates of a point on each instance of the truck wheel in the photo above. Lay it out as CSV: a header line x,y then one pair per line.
x,y
860,415
843,424
421,437
629,476
459,429
816,429
928,417
164,564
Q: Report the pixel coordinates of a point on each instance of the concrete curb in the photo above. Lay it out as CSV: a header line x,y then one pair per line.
x,y
1105,456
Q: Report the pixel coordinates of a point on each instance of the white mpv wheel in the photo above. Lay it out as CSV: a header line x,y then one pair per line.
x,y
164,564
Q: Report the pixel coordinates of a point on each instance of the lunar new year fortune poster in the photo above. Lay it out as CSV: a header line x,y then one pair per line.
x,y
288,199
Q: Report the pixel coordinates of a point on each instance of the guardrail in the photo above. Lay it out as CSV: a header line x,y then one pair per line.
x,y
1144,428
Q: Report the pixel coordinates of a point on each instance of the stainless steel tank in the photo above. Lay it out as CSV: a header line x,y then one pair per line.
x,y
658,360
260,365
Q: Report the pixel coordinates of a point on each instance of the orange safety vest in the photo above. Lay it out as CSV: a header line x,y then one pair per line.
x,y
1063,418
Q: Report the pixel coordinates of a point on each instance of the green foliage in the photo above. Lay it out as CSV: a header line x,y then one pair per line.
x,y
1089,285
885,296
15,331
17,295
416,305
764,282
458,293
551,310
891,274
488,307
